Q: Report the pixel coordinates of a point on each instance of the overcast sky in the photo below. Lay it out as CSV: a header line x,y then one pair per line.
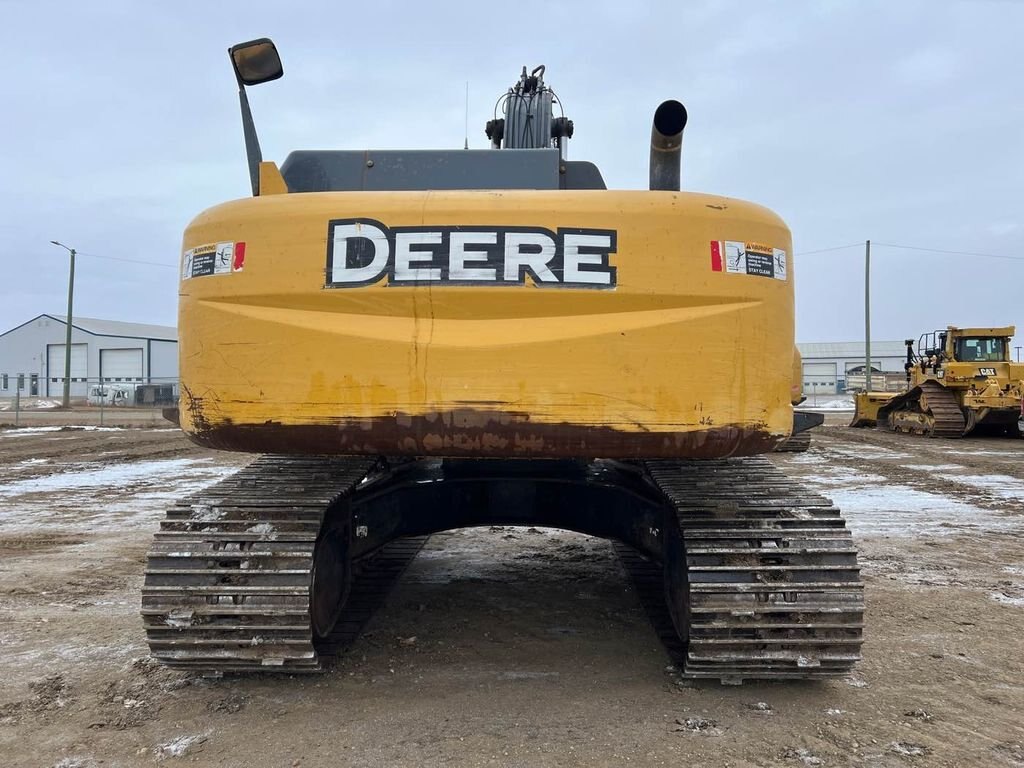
x,y
902,122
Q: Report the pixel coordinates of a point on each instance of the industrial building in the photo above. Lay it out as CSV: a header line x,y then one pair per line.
x,y
32,355
828,364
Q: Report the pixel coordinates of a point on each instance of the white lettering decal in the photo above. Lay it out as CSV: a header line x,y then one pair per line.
x,y
574,259
405,256
365,251
458,255
359,235
537,263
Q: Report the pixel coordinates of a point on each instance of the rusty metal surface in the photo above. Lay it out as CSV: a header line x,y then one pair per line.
x,y
479,434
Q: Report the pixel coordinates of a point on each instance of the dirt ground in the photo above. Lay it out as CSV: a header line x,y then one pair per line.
x,y
513,647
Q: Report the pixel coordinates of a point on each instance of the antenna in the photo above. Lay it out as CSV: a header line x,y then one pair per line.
x,y
466,146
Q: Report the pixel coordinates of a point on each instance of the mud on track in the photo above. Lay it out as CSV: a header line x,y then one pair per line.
x,y
513,646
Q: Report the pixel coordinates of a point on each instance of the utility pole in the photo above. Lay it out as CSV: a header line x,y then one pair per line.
x,y
1018,353
867,315
66,400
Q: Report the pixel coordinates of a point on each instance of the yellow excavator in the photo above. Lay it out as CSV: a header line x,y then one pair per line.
x,y
958,380
422,340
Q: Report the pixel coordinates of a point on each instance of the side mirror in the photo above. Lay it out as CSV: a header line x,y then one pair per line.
x,y
256,61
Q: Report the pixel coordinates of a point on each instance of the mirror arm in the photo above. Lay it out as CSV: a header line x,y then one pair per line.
x,y
252,143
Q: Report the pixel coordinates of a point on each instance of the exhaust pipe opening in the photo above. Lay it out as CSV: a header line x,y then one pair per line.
x,y
667,145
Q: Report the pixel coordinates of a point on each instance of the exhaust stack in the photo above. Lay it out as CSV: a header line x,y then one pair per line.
x,y
667,145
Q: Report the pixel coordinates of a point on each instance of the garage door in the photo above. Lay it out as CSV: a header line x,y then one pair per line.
x,y
121,364
55,369
819,378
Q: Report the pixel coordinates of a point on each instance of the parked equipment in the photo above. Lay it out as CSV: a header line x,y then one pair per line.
x,y
427,340
958,380
118,395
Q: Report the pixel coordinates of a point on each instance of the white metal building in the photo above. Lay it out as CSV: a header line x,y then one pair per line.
x,y
827,364
32,355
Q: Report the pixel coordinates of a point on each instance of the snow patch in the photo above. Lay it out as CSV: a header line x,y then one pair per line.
x,y
33,404
181,746
868,452
1004,486
899,510
1006,454
128,495
29,431
1005,599
850,478
838,404
108,475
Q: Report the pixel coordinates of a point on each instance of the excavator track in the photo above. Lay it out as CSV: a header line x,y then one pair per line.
x,y
942,418
760,574
797,443
230,576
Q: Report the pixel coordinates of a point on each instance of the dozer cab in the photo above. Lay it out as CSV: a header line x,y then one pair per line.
x,y
958,381
422,340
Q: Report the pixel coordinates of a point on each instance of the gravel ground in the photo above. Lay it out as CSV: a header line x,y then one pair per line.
x,y
511,646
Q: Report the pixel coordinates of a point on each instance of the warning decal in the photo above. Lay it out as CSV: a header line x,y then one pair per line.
x,y
212,259
748,259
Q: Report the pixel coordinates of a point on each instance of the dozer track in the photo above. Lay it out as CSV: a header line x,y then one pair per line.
x,y
760,575
941,418
230,573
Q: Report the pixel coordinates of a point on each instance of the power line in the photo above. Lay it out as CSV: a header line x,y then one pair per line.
x,y
954,253
913,248
130,261
833,248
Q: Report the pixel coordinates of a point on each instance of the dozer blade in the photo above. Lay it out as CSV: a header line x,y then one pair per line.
x,y
866,405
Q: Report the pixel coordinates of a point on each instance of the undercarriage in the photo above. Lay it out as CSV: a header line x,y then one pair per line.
x,y
278,567
933,410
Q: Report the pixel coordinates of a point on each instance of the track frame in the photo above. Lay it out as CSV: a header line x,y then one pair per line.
x,y
759,575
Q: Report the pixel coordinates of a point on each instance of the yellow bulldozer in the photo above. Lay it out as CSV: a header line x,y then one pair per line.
x,y
958,381
422,340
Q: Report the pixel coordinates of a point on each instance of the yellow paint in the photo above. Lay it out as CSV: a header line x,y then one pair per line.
x,y
271,180
866,405
675,347
796,389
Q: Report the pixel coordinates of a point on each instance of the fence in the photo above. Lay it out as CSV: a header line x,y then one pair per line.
x,y
880,382
106,401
